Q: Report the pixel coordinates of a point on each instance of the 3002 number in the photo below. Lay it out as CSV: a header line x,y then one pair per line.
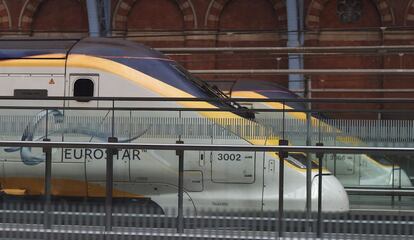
x,y
229,157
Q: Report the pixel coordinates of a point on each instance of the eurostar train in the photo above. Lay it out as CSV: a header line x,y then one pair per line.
x,y
99,67
351,169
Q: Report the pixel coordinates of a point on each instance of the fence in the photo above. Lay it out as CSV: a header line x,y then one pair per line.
x,y
370,132
131,119
110,219
83,221
47,220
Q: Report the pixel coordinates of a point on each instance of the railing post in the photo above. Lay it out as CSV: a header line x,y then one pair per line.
x,y
48,185
319,155
180,217
110,152
282,156
113,119
308,95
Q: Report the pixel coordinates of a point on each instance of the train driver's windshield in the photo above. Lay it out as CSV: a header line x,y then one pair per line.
x,y
214,92
299,160
381,158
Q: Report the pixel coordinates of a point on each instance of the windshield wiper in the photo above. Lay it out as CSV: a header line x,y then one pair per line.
x,y
242,111
214,91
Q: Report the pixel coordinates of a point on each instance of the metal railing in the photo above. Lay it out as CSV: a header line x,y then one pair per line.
x,y
243,229
277,127
80,221
180,225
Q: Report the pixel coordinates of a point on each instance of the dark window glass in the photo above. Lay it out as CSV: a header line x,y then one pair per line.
x,y
381,158
30,93
83,88
299,160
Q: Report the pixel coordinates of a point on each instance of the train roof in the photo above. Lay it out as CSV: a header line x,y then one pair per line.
x,y
269,90
61,48
115,48
28,48
265,88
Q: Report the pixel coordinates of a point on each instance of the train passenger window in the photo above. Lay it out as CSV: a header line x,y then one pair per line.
x,y
83,88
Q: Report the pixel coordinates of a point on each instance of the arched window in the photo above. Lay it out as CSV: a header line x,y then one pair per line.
x,y
83,88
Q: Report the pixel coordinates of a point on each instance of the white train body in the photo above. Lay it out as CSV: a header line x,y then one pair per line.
x,y
351,169
112,68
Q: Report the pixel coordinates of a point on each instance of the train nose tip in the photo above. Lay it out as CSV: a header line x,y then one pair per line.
x,y
334,196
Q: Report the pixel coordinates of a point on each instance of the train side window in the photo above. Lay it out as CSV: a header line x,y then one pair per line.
x,y
83,88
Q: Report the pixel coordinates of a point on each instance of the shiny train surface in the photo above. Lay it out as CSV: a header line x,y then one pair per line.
x,y
353,170
99,67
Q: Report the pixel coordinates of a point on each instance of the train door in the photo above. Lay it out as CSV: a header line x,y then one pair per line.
x,y
195,166
270,183
233,167
234,178
91,125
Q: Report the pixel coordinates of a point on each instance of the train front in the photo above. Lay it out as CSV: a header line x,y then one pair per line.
x,y
334,196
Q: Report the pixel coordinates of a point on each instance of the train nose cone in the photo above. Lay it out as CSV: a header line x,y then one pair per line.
x,y
400,178
334,196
